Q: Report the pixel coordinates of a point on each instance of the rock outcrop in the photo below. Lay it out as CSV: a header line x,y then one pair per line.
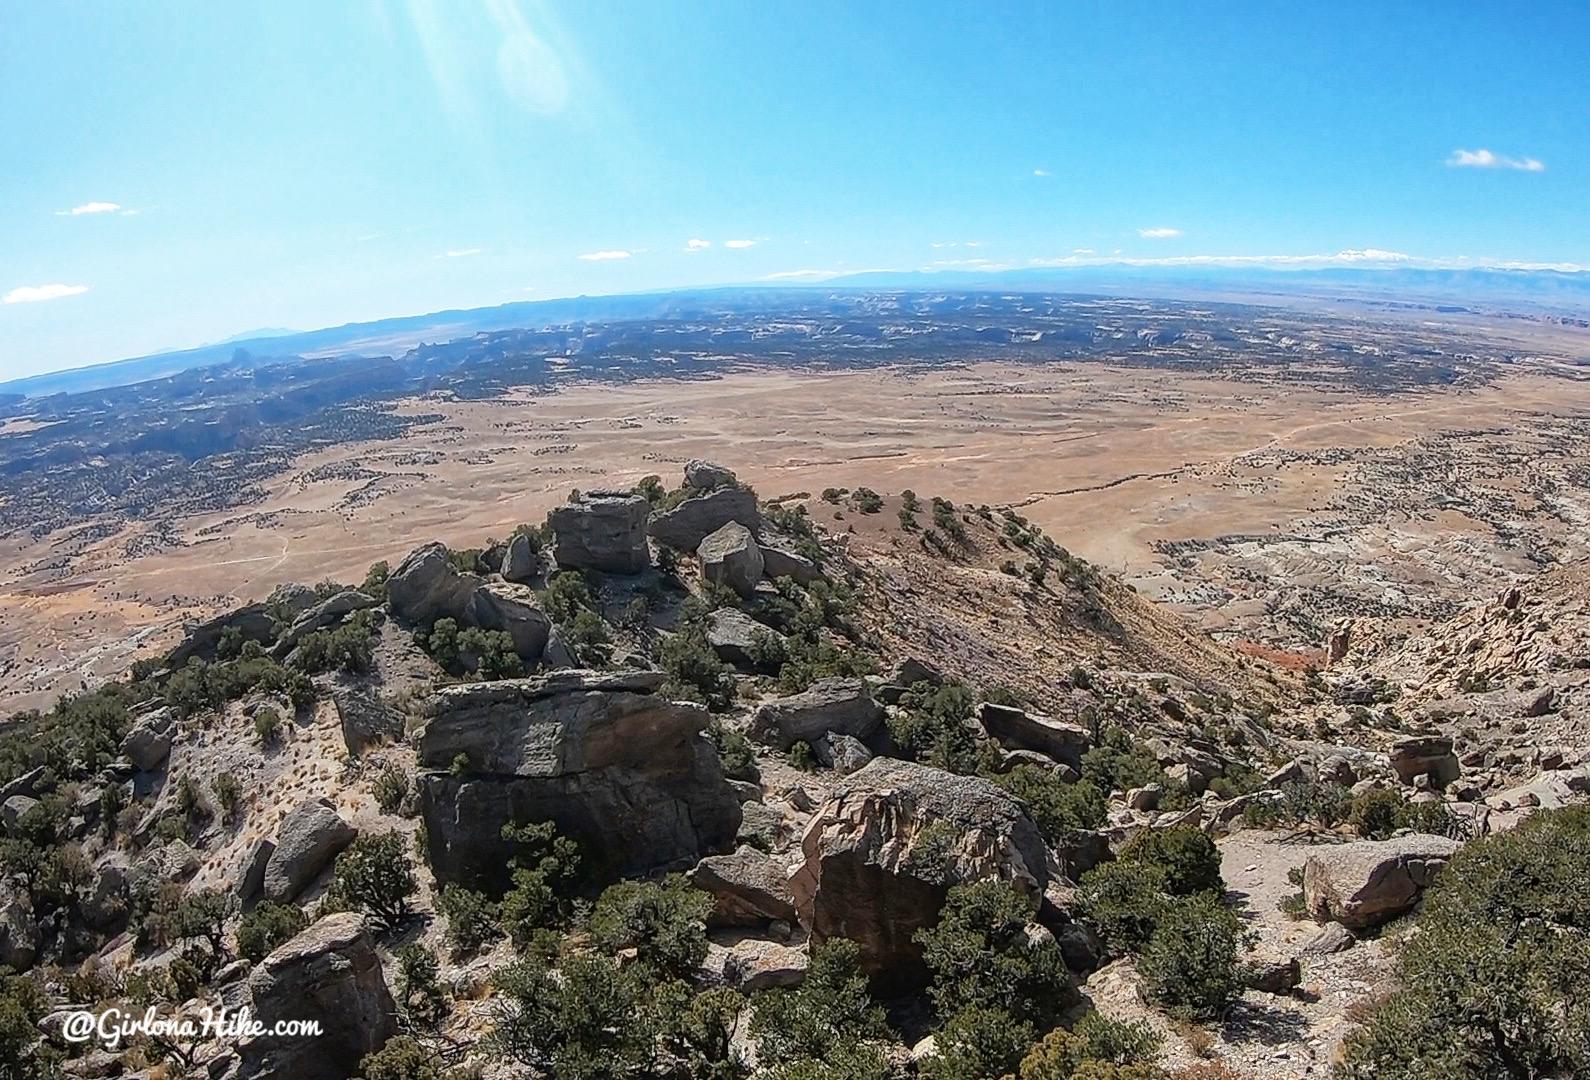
x,y
520,560
1017,729
747,888
311,835
879,855
1367,882
622,770
329,612
426,586
781,561
365,718
602,530
843,706
253,622
148,743
730,557
692,521
707,475
733,635
1425,755
330,975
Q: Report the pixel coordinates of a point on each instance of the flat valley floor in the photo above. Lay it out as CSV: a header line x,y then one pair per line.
x,y
1266,511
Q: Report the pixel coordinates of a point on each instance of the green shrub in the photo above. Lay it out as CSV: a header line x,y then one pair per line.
x,y
981,957
933,725
801,757
545,871
1493,984
1116,765
419,994
830,1018
734,751
1060,810
403,1058
978,1044
373,874
471,917
1192,963
1094,1040
665,923
565,596
1375,813
1124,901
694,670
1188,857
391,789
228,795
267,926
589,1020
267,726
349,647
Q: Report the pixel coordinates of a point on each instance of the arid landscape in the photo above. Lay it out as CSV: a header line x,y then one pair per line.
x,y
1238,495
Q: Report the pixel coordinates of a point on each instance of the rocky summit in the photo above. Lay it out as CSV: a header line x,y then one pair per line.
x,y
681,782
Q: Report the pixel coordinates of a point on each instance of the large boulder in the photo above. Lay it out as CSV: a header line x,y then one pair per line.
x,y
311,835
329,612
253,621
731,557
19,934
330,975
521,562
779,560
747,888
602,530
734,636
692,521
1018,729
1425,755
843,706
365,718
107,904
148,743
624,771
879,856
501,605
706,475
1367,882
426,586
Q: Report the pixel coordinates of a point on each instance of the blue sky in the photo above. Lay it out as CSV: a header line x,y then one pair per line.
x,y
236,166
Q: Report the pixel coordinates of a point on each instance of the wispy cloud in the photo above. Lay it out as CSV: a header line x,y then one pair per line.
x,y
1082,251
32,294
1041,172
1485,159
738,244
1161,233
91,208
798,275
606,256
1347,257
697,245
460,253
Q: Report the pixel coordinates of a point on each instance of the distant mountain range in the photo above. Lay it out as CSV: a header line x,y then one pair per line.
x,y
1455,290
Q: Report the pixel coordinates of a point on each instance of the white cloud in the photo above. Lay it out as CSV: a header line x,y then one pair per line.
x,y
697,245
606,256
1040,172
1348,257
30,294
1158,234
1082,251
91,208
461,253
738,244
798,275
1485,159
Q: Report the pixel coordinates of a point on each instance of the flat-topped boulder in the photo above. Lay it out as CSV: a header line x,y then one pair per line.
x,y
625,772
521,561
730,557
1367,882
843,706
880,854
1425,755
747,888
328,974
781,560
602,530
1018,729
693,520
735,636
